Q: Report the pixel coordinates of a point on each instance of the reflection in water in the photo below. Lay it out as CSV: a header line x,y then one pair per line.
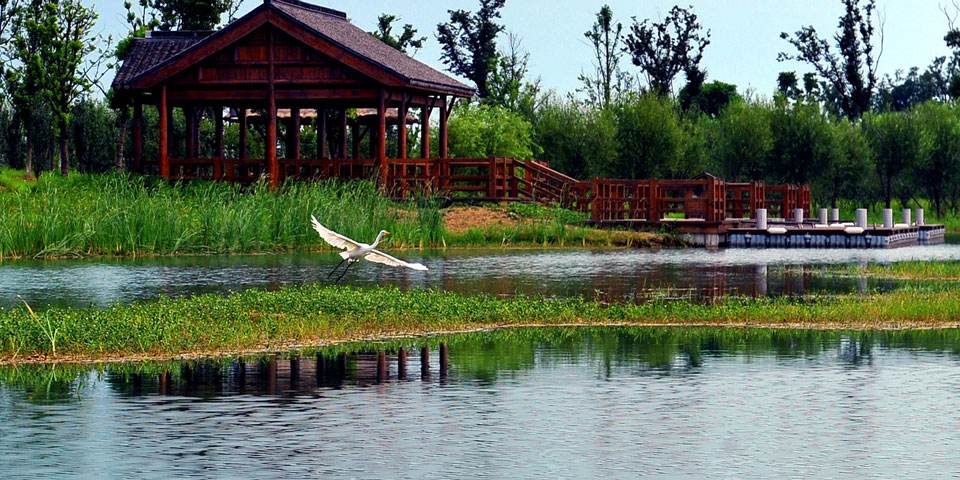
x,y
634,275
696,402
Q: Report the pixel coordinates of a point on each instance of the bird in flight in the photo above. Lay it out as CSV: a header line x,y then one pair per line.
x,y
354,251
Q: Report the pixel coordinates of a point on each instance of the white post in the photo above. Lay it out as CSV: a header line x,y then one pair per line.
x,y
761,218
887,218
906,216
823,216
835,215
920,217
798,215
862,217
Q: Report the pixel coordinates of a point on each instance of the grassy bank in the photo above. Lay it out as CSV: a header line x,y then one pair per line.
x,y
115,214
314,315
909,270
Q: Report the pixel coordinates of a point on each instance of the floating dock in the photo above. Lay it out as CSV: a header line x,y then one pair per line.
x,y
799,232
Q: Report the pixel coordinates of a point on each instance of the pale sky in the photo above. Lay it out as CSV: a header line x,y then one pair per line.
x,y
744,33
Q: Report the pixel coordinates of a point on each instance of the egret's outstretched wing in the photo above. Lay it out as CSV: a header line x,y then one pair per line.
x,y
376,256
333,238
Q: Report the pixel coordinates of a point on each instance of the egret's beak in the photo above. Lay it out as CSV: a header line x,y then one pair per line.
x,y
387,234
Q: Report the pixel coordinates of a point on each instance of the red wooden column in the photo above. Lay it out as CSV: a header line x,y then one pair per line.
x,y
164,134
244,153
294,137
425,145
402,130
272,162
343,134
323,148
221,148
381,138
137,136
444,153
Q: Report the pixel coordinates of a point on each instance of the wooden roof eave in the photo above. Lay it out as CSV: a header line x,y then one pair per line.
x,y
263,15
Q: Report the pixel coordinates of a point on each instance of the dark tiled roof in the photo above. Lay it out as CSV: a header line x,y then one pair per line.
x,y
340,30
145,53
149,53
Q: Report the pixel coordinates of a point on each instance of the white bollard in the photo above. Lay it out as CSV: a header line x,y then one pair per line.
x,y
861,218
824,213
920,217
834,215
906,216
761,218
887,218
798,215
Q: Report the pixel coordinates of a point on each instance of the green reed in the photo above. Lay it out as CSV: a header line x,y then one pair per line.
x,y
315,314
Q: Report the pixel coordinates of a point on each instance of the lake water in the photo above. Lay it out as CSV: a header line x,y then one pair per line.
x,y
587,403
616,275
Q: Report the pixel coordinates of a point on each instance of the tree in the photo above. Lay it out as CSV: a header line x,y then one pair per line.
x,y
193,14
803,143
405,42
663,50
469,43
482,131
897,144
507,84
904,91
24,72
743,141
650,138
709,99
608,81
939,164
73,63
849,67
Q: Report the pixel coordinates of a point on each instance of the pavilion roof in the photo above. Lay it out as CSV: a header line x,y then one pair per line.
x,y
159,49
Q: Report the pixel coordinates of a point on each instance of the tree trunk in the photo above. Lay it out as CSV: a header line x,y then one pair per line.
x,y
28,164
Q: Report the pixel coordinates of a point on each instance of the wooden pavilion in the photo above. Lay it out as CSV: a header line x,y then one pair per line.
x,y
295,56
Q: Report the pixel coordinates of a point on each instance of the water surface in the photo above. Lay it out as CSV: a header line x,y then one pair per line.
x,y
697,403
616,275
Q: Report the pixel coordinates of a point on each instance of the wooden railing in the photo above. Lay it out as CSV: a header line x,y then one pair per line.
x,y
503,179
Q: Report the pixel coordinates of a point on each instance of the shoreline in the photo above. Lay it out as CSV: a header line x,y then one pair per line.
x,y
414,336
317,315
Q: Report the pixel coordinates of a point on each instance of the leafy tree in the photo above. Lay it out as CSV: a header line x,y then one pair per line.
x,y
608,81
743,141
481,131
896,140
650,138
849,175
710,98
803,143
559,129
72,63
94,135
939,164
405,42
469,43
193,14
849,67
904,91
663,50
507,85
25,73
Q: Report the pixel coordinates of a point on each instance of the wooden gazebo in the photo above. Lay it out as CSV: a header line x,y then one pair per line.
x,y
290,55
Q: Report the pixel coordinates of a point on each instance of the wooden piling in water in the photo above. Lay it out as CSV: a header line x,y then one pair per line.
x,y
402,364
444,359
381,367
425,362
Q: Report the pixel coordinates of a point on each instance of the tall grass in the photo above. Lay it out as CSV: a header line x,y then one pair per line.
x,y
314,314
117,214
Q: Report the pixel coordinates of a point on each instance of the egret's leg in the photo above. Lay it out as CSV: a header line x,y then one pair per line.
x,y
335,268
349,264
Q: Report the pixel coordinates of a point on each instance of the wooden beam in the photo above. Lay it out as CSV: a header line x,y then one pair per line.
x,y
323,147
221,146
137,136
293,135
444,114
343,134
272,162
425,132
164,134
242,120
402,130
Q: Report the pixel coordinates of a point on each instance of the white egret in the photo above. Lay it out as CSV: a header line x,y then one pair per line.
x,y
354,251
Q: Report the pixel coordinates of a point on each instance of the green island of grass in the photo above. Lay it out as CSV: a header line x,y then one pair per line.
x,y
316,315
